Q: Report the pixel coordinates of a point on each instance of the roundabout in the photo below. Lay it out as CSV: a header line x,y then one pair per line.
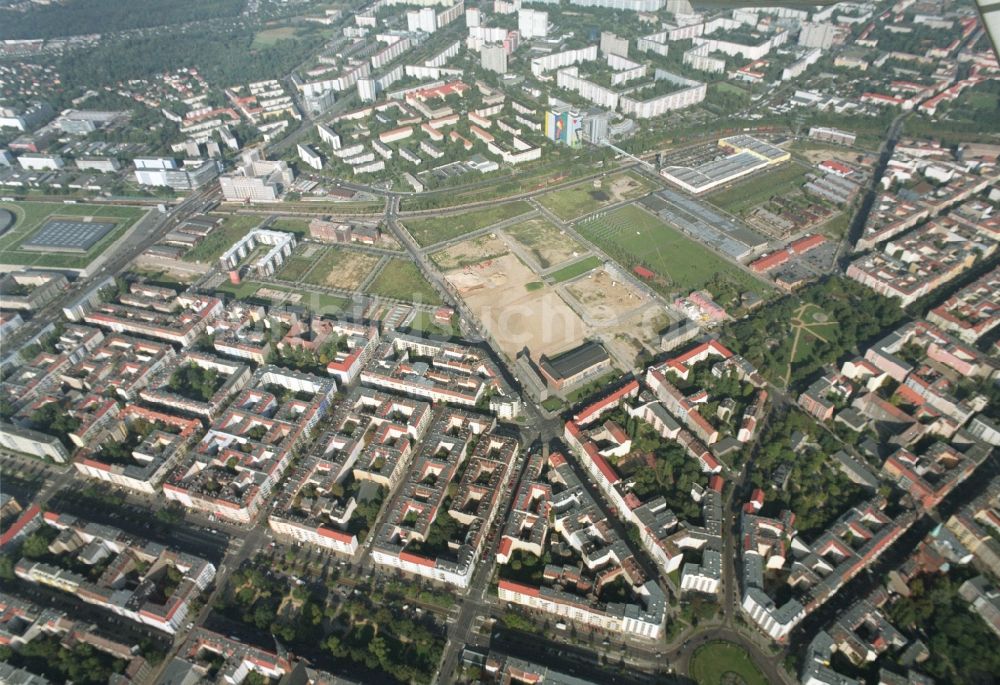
x,y
724,663
7,220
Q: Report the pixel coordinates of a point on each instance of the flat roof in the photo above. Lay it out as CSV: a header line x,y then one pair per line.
x,y
716,171
574,361
67,236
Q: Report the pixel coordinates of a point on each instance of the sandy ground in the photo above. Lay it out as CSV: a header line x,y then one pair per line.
x,y
348,271
545,242
470,252
279,295
622,188
604,298
515,317
818,155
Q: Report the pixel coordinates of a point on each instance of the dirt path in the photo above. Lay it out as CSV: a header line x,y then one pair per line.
x,y
798,325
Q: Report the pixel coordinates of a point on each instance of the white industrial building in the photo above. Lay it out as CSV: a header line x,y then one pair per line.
x,y
39,162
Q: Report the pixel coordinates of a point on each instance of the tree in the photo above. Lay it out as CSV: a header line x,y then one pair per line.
x,y
6,570
35,546
171,514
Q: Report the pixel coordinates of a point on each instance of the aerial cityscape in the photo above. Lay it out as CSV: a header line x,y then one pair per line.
x,y
527,342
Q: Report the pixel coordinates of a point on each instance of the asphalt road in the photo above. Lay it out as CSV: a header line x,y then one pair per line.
x,y
142,522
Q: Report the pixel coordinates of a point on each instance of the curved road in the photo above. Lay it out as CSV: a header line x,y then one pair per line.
x,y
770,666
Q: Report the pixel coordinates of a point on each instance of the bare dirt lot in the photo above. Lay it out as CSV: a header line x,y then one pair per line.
x,y
279,295
470,252
819,154
514,316
342,268
603,298
546,243
624,187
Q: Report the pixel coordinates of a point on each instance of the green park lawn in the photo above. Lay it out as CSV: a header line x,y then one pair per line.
x,y
634,237
712,661
401,279
30,216
436,229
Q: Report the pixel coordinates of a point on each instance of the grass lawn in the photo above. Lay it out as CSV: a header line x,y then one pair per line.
x,y
299,227
436,229
731,89
294,269
760,188
552,404
837,226
633,237
711,662
402,280
984,101
506,182
30,216
811,325
243,290
222,238
423,322
576,269
576,201
321,208
269,37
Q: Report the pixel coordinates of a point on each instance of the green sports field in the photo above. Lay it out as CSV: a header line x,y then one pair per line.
x,y
633,237
575,269
32,215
